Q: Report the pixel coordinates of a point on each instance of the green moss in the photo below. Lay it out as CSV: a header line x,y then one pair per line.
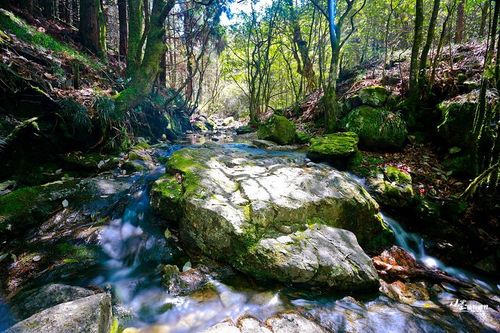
x,y
184,160
303,137
457,119
460,165
381,240
374,95
71,253
394,174
247,212
377,128
278,129
336,148
17,207
13,24
168,187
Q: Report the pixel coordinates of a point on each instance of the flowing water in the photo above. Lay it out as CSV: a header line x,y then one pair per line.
x,y
135,247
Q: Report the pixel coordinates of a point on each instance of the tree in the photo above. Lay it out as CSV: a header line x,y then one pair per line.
x,y
48,8
93,27
330,104
136,30
460,23
422,79
415,52
149,65
301,50
123,23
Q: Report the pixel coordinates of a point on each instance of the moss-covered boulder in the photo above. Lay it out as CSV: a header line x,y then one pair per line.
x,y
303,137
377,128
375,96
28,206
273,216
166,196
278,129
392,188
457,114
336,148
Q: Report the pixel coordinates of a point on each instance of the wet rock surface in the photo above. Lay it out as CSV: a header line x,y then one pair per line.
x,y
275,217
85,315
30,302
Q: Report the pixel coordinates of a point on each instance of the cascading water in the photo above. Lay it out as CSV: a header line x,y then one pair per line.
x,y
414,244
135,247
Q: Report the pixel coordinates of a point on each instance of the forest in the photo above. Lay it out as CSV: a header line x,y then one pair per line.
x,y
286,166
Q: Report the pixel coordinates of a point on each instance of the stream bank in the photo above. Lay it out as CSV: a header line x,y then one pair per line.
x,y
112,242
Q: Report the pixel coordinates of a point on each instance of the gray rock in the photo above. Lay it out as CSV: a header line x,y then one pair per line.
x,y
274,217
293,323
382,315
281,323
28,303
86,315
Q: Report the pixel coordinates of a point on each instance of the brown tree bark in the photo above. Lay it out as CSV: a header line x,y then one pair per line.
x,y
484,19
48,8
460,23
301,51
142,83
123,22
188,38
76,12
90,26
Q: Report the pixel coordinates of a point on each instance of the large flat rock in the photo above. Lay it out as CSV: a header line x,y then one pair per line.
x,y
272,215
91,314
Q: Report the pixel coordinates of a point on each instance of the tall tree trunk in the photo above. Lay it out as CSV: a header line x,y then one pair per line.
x,y
427,46
136,29
48,8
29,6
76,12
143,81
386,37
123,23
65,10
188,40
162,75
304,62
330,104
444,28
91,26
415,51
460,23
484,19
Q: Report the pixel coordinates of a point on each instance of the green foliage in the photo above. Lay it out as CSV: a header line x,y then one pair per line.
x,y
106,112
10,22
75,115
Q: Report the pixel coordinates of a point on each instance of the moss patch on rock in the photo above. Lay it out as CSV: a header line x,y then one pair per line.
x,y
278,129
377,128
336,148
396,175
166,197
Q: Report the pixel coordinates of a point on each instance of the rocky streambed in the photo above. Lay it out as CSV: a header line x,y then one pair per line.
x,y
226,238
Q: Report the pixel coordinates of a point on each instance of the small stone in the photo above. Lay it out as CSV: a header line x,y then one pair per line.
x,y
187,266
